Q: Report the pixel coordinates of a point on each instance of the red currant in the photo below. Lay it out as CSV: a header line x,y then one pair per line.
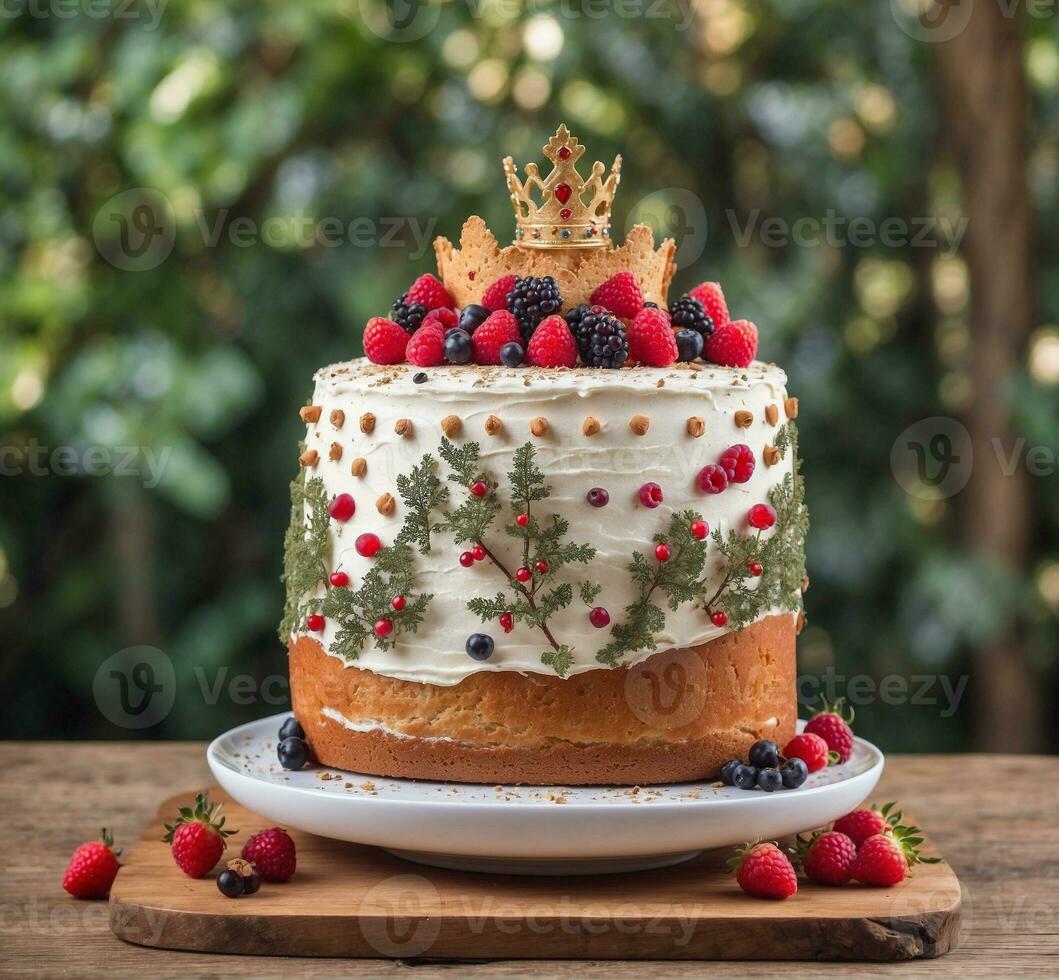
x,y
384,627
367,544
477,552
507,622
522,520
479,489
523,574
599,617
761,516
466,559
754,568
339,580
650,495
719,618
663,552
315,622
343,507
713,479
398,602
700,529
541,567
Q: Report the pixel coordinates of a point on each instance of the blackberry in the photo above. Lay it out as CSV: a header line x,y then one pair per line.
x,y
688,313
600,337
408,316
532,299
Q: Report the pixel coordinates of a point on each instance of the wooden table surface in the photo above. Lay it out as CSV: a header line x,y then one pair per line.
x,y
993,817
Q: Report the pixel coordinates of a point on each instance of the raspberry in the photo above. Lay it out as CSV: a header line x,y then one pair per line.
x,y
764,871
833,727
427,346
748,330
884,859
827,857
712,299
621,294
92,869
443,316
552,344
501,328
651,338
729,346
713,479
495,297
861,824
737,462
273,852
811,749
384,341
428,292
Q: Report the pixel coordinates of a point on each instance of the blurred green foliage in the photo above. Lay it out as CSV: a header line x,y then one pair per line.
x,y
288,114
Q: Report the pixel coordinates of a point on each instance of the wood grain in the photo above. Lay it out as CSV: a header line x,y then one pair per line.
x,y
994,818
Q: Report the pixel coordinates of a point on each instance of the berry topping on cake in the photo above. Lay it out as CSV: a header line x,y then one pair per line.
x,y
710,295
442,317
621,294
713,479
383,627
343,507
507,622
385,341
339,579
700,529
688,313
761,516
197,837
314,623
601,338
367,544
599,617
552,344
499,329
719,618
458,347
92,868
427,345
651,339
598,497
663,552
472,317
274,854
429,293
689,345
764,871
730,346
738,463
531,299
408,315
495,297
650,495
479,646
512,355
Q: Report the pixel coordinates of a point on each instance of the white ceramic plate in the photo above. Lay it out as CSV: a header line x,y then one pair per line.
x,y
528,829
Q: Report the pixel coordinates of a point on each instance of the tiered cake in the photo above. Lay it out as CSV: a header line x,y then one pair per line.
x,y
541,548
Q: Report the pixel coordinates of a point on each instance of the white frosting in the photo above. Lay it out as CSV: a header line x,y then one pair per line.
x,y
616,459
377,726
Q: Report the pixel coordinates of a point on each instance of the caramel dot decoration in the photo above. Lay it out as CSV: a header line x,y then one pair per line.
x,y
386,505
335,452
309,458
696,426
772,414
771,455
493,425
590,426
403,427
359,467
367,423
744,419
310,413
539,425
451,425
338,418
790,406
640,424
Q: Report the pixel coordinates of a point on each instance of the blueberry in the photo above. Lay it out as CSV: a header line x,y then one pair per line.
x,y
744,776
419,377
689,345
728,770
293,752
252,882
794,773
473,316
769,779
511,355
479,646
764,754
291,728
457,347
230,883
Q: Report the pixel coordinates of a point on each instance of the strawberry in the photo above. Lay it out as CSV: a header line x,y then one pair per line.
x,y
764,871
884,860
621,294
811,749
197,837
861,824
272,851
92,868
832,725
826,857
500,328
384,341
730,346
552,344
651,340
426,348
712,299
495,297
428,291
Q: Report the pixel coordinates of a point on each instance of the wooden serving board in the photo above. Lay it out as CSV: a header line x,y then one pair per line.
x,y
359,901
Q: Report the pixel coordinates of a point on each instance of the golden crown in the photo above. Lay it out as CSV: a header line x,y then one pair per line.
x,y
562,219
